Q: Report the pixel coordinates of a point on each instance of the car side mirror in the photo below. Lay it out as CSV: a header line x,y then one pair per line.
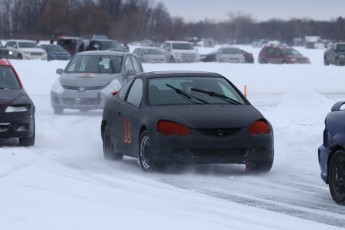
x,y
338,106
59,71
131,72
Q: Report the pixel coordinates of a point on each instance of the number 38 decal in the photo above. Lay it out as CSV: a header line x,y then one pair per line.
x,y
127,127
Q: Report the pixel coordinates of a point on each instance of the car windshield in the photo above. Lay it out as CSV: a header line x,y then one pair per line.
x,y
291,52
341,47
110,44
8,79
95,64
230,51
152,52
182,46
1,45
53,48
192,90
27,45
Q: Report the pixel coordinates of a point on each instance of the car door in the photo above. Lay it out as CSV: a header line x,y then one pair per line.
x,y
129,117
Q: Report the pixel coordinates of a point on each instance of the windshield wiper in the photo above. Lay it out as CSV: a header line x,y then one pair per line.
x,y
186,95
217,95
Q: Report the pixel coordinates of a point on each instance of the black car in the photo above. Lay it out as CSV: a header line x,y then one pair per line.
x,y
335,55
5,52
228,54
17,111
185,117
55,52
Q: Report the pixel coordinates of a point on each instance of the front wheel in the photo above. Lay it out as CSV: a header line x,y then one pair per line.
x,y
109,150
28,141
336,177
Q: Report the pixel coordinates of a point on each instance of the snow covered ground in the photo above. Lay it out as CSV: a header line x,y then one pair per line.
x,y
63,182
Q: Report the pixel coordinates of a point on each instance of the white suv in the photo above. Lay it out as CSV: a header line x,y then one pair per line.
x,y
26,49
180,51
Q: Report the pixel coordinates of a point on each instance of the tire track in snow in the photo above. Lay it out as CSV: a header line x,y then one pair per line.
x,y
287,207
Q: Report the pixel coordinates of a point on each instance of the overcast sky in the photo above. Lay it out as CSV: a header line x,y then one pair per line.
x,y
260,10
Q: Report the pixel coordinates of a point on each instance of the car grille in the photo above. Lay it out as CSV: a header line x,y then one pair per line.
x,y
4,127
36,54
188,56
219,132
214,152
4,52
78,88
81,101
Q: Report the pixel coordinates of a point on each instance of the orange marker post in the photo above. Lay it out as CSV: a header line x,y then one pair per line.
x,y
245,90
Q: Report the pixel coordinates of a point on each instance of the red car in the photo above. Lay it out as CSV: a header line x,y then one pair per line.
x,y
281,54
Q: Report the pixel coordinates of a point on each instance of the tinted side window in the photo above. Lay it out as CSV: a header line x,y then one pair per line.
x,y
124,89
8,79
136,93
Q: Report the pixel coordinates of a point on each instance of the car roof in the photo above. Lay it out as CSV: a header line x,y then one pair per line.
x,y
5,62
178,41
174,73
102,52
21,40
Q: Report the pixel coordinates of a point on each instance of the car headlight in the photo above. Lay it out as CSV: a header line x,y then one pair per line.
x,y
111,87
10,52
21,108
57,87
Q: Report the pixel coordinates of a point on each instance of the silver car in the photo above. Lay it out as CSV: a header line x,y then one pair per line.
x,y
150,54
90,77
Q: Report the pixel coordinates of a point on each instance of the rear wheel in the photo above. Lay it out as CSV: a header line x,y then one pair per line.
x,y
58,110
263,61
336,177
109,150
172,59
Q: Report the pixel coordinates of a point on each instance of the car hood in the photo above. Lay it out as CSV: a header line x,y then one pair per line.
x,y
88,79
32,50
209,116
10,97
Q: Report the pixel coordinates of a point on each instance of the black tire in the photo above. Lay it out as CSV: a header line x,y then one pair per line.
x,y
325,62
284,62
146,158
172,59
58,110
259,166
27,141
337,62
263,61
109,150
336,177
19,56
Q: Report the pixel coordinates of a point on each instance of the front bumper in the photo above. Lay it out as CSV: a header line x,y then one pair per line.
x,y
17,124
204,149
88,100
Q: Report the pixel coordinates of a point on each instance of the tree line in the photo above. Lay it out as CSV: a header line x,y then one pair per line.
x,y
130,20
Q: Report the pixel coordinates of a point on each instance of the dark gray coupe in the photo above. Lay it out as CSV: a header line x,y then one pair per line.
x,y
185,117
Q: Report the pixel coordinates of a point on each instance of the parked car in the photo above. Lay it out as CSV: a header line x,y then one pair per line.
x,y
72,45
17,111
90,77
26,49
55,52
150,54
281,54
5,52
104,44
331,153
228,54
335,54
185,117
180,51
